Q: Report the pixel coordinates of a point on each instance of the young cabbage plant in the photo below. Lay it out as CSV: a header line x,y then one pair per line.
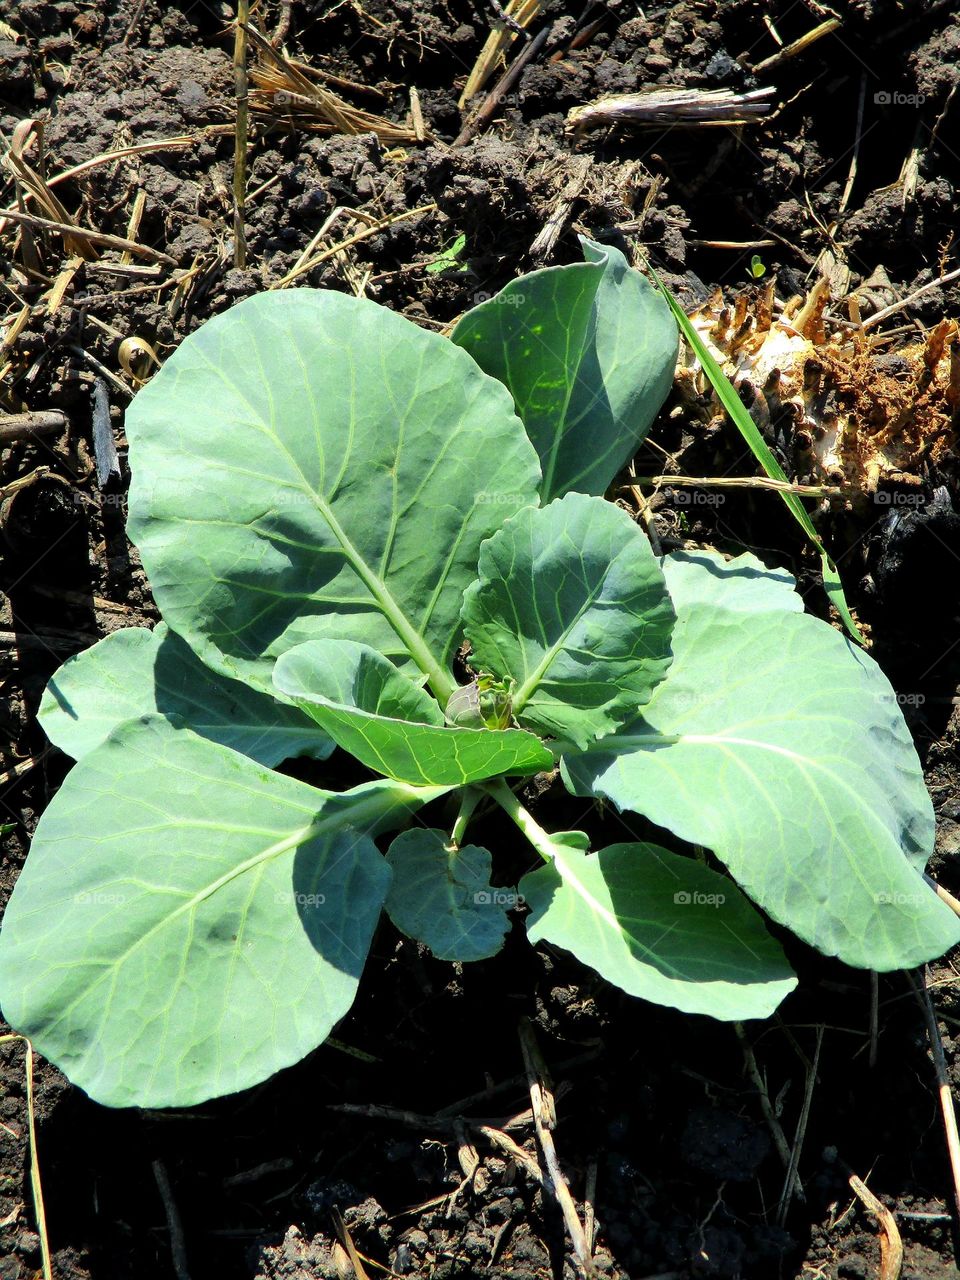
x,y
329,501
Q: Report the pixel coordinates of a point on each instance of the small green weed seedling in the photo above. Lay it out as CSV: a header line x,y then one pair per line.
x,y
450,259
329,501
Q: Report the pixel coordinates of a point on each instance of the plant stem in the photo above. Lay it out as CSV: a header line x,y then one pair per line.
x,y
240,133
469,799
508,802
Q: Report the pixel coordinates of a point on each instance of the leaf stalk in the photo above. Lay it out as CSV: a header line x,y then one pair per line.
x,y
541,840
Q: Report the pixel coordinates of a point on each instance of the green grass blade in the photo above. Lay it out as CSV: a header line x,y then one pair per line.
x,y
35,1183
729,397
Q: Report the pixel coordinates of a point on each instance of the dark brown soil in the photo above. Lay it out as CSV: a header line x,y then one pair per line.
x,y
659,1105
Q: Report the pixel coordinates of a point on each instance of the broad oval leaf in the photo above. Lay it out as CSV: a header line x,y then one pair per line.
x,y
588,352
441,895
661,927
309,464
571,603
370,709
135,672
188,922
779,745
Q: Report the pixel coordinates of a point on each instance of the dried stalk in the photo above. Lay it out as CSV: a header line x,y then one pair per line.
x,y
680,108
797,46
499,40
92,237
283,92
240,85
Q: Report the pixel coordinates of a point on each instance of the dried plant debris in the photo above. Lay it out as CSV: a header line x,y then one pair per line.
x,y
688,108
855,415
287,93
518,12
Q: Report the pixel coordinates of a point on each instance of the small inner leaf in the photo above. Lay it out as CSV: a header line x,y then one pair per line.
x,y
373,711
441,896
484,703
572,605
